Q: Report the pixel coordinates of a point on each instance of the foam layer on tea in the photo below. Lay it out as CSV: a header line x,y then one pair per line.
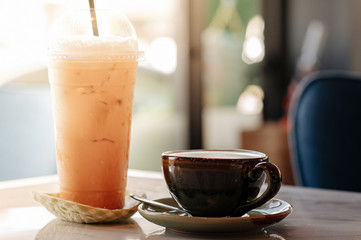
x,y
218,154
94,45
95,49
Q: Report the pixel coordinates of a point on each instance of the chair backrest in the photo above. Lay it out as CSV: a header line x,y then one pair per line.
x,y
27,146
325,131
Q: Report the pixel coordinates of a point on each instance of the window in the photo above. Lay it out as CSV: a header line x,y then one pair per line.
x,y
159,120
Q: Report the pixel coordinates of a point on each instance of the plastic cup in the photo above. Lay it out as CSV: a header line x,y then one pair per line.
x,y
92,83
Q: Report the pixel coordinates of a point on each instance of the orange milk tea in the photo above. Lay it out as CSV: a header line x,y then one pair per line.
x,y
92,96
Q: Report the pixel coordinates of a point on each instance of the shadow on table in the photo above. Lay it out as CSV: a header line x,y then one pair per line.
x,y
171,234
58,229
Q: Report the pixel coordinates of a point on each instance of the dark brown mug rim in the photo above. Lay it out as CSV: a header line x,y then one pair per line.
x,y
173,155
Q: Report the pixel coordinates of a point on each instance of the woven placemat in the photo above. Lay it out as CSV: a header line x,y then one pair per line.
x,y
80,213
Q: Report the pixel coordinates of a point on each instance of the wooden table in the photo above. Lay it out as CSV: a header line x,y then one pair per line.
x,y
318,214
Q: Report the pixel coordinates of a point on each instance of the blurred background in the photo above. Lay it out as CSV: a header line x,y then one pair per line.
x,y
218,74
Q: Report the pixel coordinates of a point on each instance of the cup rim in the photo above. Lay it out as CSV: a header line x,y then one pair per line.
x,y
175,154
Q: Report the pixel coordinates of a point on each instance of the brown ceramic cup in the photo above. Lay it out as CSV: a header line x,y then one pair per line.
x,y
218,183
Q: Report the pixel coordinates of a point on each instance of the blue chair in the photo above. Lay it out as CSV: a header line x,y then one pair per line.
x,y
27,147
325,131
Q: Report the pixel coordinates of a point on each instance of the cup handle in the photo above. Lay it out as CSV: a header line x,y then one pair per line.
x,y
274,179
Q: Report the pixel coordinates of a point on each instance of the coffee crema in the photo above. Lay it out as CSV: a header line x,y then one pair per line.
x,y
216,154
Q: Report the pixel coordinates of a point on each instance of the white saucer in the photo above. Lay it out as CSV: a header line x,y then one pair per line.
x,y
270,213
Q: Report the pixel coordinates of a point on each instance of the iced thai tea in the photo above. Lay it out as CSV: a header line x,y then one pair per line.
x,y
92,81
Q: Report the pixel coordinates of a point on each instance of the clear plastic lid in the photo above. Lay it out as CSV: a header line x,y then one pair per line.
x,y
94,35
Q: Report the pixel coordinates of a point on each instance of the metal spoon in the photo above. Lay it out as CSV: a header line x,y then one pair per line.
x,y
169,208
